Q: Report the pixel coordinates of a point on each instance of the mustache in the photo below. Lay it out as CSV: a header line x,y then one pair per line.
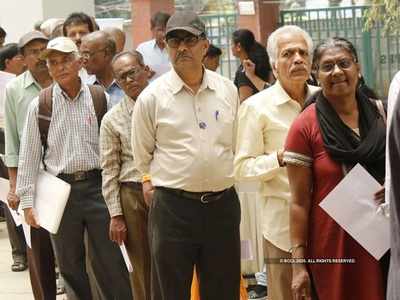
x,y
182,55
299,68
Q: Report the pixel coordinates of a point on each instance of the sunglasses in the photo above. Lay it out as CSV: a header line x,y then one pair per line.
x,y
189,41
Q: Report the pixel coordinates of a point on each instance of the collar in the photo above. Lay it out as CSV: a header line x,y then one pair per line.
x,y
282,96
112,85
129,104
155,46
60,91
176,83
29,80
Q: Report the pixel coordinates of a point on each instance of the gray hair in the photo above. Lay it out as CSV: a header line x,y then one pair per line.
x,y
272,44
133,53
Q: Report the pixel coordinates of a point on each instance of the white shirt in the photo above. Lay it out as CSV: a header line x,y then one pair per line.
x,y
186,141
392,98
264,121
73,141
5,77
154,57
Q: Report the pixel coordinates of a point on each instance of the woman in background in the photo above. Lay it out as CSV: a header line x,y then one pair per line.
x,y
249,51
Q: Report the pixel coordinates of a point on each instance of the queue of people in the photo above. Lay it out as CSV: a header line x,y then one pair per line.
x,y
153,140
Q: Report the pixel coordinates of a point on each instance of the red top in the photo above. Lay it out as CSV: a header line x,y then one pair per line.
x,y
326,239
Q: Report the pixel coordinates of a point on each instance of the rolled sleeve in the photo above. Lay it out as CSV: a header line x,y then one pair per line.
x,y
251,161
29,158
11,130
110,160
143,133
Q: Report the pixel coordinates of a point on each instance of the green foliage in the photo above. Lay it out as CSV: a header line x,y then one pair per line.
x,y
386,12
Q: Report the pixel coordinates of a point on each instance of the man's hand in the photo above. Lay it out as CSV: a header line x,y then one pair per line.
x,y
280,158
30,217
12,199
118,230
148,191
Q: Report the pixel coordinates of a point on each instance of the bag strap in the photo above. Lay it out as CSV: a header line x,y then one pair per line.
x,y
99,101
44,116
46,109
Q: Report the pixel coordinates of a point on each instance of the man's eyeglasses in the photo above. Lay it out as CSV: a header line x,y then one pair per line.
x,y
131,74
343,64
88,54
189,41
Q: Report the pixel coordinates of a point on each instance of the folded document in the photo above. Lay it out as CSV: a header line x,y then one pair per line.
x,y
351,204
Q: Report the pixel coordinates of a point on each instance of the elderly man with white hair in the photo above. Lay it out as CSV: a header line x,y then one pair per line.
x,y
65,120
264,121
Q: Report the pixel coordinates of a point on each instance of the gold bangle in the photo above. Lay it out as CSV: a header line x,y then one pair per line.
x,y
295,247
146,177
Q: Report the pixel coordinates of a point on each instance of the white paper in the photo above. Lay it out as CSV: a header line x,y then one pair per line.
x,y
126,258
4,188
27,233
351,204
51,197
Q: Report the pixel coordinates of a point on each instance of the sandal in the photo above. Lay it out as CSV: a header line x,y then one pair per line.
x,y
19,266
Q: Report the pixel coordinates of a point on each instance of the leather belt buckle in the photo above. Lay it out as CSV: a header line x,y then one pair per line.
x,y
80,176
203,198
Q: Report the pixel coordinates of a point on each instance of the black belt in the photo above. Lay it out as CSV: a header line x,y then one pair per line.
x,y
134,185
203,197
80,175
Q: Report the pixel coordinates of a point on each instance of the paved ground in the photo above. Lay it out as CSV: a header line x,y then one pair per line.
x,y
13,285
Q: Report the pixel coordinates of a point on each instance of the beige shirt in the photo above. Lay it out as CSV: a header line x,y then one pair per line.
x,y
186,141
264,121
116,153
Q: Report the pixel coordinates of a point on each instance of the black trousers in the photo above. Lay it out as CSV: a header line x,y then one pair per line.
x,y
87,210
185,232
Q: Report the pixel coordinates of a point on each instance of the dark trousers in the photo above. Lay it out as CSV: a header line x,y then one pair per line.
x,y
40,257
17,238
15,234
135,213
185,232
86,210
41,265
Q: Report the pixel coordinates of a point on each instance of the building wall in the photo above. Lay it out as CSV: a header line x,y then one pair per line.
x,y
19,16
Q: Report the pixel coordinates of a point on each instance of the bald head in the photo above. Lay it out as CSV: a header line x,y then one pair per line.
x,y
119,37
97,49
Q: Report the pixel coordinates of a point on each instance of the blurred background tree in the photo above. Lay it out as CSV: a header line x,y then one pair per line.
x,y
386,12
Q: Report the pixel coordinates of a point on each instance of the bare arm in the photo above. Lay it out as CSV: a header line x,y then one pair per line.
x,y
245,92
300,179
250,71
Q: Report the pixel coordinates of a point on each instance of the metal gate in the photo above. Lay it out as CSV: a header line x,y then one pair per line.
x,y
379,53
219,31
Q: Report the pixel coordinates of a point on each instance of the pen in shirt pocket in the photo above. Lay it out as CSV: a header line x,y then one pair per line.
x,y
216,115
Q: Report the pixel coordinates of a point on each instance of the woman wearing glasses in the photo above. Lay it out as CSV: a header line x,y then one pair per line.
x,y
342,127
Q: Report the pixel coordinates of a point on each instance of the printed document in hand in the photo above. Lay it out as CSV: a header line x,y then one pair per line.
x,y
351,204
126,258
4,188
51,196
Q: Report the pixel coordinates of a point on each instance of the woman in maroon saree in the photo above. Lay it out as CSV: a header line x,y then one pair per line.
x,y
342,128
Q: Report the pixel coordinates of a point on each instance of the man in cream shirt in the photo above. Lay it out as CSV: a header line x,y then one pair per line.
x,y
184,137
264,120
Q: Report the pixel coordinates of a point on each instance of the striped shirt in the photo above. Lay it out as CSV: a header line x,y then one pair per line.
x,y
116,153
73,141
